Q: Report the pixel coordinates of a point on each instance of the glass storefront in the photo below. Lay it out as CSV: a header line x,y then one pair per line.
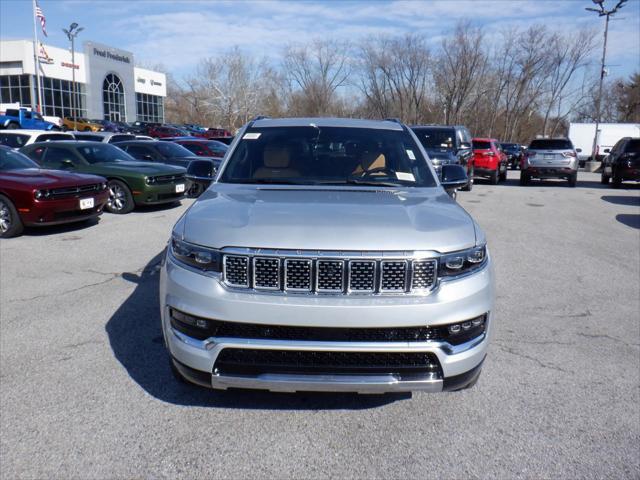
x,y
149,108
15,89
57,95
113,98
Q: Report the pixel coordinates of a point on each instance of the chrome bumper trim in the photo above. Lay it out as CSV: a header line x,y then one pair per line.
x,y
212,342
329,383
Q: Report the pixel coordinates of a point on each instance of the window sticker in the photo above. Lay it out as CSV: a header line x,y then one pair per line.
x,y
408,177
251,136
412,156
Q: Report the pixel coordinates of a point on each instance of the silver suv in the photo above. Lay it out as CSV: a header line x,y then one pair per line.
x,y
328,256
550,158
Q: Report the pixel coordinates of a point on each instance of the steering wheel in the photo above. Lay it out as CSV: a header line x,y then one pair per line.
x,y
387,170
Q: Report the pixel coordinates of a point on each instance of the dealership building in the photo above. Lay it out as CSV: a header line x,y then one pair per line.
x,y
108,84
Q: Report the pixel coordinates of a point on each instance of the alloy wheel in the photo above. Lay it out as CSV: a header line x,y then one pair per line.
x,y
117,197
5,217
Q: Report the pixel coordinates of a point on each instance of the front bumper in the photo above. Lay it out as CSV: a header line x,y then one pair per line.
x,y
60,211
158,194
204,296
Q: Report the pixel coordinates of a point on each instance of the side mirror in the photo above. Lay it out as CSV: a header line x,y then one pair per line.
x,y
147,157
453,177
606,150
465,146
66,163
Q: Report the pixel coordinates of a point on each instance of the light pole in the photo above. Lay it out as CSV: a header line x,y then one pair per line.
x,y
602,13
72,33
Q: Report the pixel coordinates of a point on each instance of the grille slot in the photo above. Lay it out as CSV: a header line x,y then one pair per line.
x,y
162,179
236,270
75,191
266,273
297,275
330,276
393,276
362,276
424,274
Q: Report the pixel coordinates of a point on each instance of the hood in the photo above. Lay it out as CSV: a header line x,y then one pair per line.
x,y
442,155
40,178
319,218
145,168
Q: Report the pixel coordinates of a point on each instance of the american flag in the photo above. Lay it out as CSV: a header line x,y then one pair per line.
x,y
40,16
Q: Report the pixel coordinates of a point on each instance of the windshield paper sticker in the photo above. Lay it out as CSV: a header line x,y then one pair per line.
x,y
408,177
251,136
411,154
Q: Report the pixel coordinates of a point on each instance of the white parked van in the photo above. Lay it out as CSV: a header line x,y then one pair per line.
x,y
581,135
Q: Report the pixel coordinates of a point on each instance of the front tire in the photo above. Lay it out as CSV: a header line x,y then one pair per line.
x,y
524,178
469,185
503,175
616,180
13,126
120,198
10,222
493,179
573,180
604,179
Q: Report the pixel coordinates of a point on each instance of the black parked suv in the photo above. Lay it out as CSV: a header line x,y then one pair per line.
x,y
446,145
622,163
200,170
514,154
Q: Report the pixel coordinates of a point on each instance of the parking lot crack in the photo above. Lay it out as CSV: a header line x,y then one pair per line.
x,y
533,359
608,337
66,292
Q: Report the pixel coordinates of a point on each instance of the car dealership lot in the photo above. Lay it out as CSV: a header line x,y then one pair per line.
x,y
86,389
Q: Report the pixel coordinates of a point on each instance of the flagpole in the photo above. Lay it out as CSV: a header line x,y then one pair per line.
x,y
36,60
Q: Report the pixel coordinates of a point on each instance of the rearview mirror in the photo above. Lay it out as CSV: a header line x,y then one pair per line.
x,y
453,177
578,150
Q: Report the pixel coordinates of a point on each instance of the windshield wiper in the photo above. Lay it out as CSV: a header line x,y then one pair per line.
x,y
357,181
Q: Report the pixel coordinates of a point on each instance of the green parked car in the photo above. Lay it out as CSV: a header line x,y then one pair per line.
x,y
131,183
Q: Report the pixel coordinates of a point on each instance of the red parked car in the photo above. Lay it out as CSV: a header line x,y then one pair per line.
x,y
489,161
203,147
161,131
31,196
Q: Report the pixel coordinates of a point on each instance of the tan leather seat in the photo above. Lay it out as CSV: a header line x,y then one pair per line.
x,y
371,161
276,164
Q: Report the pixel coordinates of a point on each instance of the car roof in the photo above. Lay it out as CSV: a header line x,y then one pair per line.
x,y
33,131
136,141
484,139
327,122
449,127
68,143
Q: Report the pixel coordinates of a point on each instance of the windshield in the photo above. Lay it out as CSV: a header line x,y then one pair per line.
x,y
481,145
216,146
103,153
169,149
10,160
510,146
551,144
633,146
328,156
436,138
14,140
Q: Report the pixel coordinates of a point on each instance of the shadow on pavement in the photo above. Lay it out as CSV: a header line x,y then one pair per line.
x,y
57,229
135,337
629,219
633,201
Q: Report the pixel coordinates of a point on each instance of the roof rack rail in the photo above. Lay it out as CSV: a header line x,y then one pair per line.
x,y
396,120
259,117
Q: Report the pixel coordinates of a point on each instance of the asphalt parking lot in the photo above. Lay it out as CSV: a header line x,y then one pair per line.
x,y
86,390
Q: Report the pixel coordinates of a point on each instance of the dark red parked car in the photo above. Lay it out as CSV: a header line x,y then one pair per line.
x,y
162,131
489,160
31,196
203,147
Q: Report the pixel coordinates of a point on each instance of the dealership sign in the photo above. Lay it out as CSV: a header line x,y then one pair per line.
x,y
111,56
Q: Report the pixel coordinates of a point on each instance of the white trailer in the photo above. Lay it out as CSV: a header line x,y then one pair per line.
x,y
581,135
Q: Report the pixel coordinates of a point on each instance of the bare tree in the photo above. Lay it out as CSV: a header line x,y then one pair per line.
x,y
316,71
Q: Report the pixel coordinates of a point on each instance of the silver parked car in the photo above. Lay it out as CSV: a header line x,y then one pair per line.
x,y
550,158
327,256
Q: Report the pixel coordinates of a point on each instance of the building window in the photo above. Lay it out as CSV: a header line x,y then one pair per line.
x,y
149,108
57,95
113,98
15,89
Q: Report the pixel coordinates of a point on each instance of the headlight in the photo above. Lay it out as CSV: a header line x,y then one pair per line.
x,y
463,262
196,256
149,180
42,194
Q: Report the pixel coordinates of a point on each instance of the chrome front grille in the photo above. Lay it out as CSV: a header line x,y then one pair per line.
x,y
317,274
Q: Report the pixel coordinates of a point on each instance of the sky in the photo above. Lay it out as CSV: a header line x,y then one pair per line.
x,y
178,33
